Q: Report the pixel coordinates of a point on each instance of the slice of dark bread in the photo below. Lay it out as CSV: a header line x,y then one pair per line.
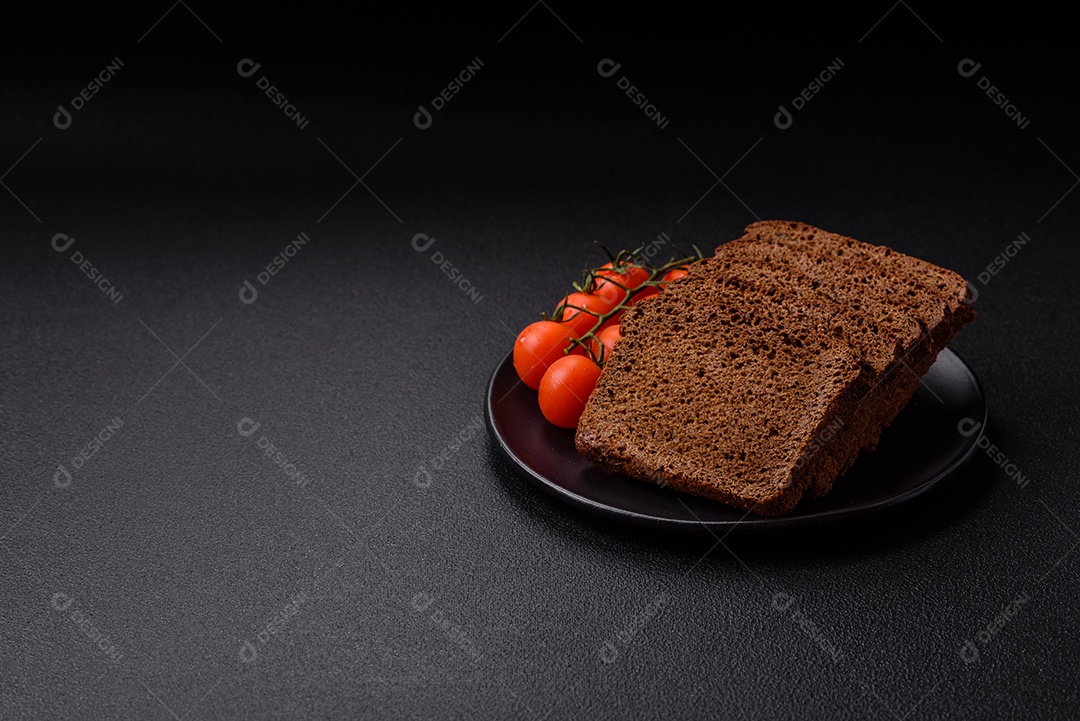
x,y
720,387
933,293
885,284
879,340
760,377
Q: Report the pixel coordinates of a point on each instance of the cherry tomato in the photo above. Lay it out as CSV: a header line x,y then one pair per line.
x,y
607,337
580,321
537,347
647,292
674,274
608,323
565,387
609,278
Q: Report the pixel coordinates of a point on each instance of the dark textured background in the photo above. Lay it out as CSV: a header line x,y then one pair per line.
x,y
180,541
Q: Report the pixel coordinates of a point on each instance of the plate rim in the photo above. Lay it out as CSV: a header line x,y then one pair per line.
x,y
757,523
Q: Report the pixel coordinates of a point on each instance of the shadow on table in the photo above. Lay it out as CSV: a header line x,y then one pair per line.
x,y
923,517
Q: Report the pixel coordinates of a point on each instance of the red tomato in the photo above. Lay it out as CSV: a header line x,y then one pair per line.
x,y
608,323
537,347
580,321
609,279
674,274
644,293
607,337
565,387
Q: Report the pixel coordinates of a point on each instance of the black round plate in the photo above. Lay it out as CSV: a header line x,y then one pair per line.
x,y
922,446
